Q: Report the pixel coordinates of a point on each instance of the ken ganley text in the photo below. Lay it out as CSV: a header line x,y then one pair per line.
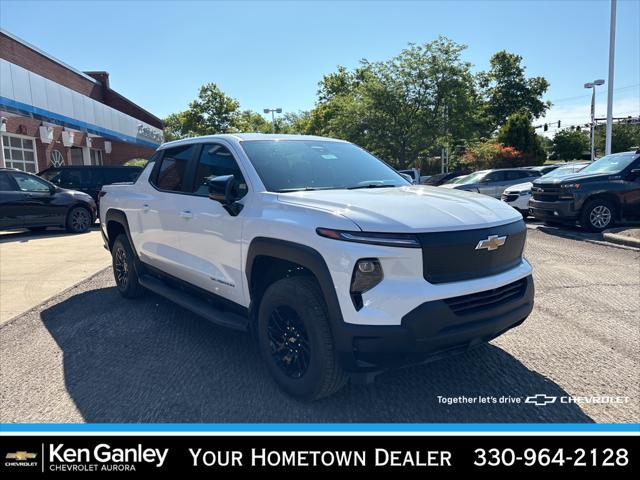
x,y
262,457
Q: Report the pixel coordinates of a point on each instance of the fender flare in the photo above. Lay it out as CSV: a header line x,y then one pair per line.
x,y
303,255
118,216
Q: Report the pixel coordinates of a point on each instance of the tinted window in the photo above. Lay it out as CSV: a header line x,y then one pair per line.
x,y
28,183
216,160
288,165
495,177
79,178
115,175
6,183
52,174
518,174
173,167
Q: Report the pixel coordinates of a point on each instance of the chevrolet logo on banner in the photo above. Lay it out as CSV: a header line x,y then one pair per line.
x,y
21,456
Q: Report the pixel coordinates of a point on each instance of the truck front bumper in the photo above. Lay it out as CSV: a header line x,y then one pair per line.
x,y
436,329
560,211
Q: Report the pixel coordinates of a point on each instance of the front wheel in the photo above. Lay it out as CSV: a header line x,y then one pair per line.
x,y
124,270
295,339
597,215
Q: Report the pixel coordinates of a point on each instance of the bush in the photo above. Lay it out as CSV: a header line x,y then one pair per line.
x,y
492,155
136,162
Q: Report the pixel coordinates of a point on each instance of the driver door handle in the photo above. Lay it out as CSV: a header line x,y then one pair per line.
x,y
186,214
145,207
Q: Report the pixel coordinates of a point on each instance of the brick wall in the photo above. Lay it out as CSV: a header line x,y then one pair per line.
x,y
121,152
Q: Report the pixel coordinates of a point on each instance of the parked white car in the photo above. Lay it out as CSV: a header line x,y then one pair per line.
x,y
518,196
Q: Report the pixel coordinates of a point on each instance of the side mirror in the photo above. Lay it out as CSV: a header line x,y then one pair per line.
x,y
52,189
226,190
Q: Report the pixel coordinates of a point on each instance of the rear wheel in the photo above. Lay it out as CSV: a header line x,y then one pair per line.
x,y
597,215
295,339
78,220
124,270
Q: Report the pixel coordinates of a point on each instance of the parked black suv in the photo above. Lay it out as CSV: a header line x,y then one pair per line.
x,y
604,192
90,178
27,201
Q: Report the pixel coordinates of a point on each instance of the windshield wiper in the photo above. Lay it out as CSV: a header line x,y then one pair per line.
x,y
304,189
371,185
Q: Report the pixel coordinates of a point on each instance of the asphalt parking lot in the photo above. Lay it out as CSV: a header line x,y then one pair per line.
x,y
90,356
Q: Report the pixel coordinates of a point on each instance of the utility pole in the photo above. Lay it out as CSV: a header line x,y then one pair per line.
x,y
592,86
273,112
612,52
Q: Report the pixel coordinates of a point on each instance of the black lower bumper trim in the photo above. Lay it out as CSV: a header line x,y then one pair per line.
x,y
431,331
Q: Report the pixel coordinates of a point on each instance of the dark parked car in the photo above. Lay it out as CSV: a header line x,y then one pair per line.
x,y
442,178
28,201
544,169
606,191
90,179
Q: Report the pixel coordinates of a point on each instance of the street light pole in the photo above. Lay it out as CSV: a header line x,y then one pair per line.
x,y
612,52
592,86
273,112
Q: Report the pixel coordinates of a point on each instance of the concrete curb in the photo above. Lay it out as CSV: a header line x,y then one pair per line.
x,y
614,237
44,302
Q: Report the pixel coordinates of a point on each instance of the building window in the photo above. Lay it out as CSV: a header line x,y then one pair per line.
x,y
20,153
96,156
56,158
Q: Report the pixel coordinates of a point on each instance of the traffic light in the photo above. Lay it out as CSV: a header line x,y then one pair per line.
x,y
546,127
558,123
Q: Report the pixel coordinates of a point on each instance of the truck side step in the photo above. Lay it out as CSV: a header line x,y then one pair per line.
x,y
194,304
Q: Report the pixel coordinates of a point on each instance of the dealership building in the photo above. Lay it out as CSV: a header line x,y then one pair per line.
x,y
53,115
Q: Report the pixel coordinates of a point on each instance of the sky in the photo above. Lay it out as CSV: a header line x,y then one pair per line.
x,y
272,54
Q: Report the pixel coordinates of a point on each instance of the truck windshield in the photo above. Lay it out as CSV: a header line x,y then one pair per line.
x,y
293,165
611,163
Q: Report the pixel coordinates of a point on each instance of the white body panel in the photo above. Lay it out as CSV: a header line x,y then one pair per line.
x,y
524,195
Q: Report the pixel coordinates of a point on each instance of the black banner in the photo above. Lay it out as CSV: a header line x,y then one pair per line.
x,y
51,456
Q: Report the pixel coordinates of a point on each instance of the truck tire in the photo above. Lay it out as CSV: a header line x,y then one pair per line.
x,y
78,220
124,270
597,215
295,339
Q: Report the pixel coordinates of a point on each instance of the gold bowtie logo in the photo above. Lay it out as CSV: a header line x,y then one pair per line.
x,y
492,242
21,456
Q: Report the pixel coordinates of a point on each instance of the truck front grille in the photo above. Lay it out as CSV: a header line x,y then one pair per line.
x,y
473,302
546,193
454,256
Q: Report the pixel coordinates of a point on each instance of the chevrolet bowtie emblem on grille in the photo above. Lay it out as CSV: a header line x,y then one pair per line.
x,y
20,456
492,242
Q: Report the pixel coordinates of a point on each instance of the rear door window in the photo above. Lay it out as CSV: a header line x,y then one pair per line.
x,y
6,183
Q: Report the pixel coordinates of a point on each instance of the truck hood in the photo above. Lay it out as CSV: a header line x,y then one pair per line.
x,y
576,178
416,208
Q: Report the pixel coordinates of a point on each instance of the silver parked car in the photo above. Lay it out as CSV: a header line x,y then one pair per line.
x,y
494,182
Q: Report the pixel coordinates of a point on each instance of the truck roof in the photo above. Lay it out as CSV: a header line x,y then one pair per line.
x,y
246,137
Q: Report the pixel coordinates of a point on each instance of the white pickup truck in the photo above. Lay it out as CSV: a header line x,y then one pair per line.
x,y
337,265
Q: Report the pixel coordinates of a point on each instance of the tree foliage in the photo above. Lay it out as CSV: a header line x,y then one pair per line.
x,y
405,109
491,154
623,137
570,145
517,132
506,90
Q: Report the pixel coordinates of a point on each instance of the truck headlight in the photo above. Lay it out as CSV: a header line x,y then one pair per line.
x,y
367,273
385,239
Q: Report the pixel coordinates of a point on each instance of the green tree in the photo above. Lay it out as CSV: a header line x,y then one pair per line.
x,y
212,112
517,132
401,109
506,90
623,137
570,144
